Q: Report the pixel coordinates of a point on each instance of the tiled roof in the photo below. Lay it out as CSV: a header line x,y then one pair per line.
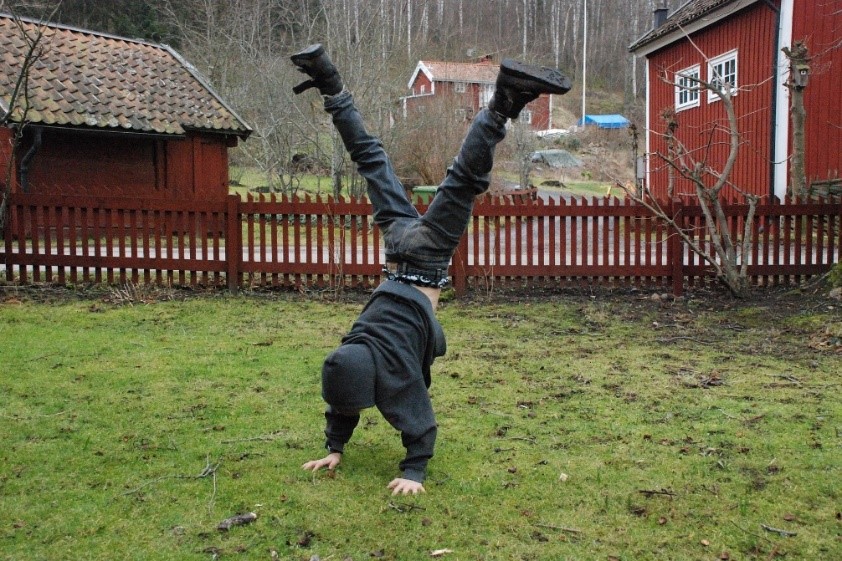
x,y
90,79
471,72
685,14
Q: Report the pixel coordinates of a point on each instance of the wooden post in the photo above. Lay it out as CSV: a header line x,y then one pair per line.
x,y
676,251
7,238
233,242
459,267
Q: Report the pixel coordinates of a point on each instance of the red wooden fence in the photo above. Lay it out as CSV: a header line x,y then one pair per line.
x,y
323,242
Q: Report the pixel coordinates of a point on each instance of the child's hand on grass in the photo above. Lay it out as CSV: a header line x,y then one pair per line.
x,y
330,462
400,486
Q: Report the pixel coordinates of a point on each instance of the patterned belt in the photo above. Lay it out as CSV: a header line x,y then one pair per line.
x,y
402,272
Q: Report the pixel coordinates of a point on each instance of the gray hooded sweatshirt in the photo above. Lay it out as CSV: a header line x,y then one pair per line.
x,y
402,336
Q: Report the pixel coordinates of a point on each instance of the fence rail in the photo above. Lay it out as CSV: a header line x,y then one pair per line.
x,y
327,242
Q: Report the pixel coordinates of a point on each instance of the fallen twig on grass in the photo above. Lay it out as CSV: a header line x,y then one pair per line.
x,y
30,417
750,533
749,421
558,528
529,439
673,339
783,533
210,470
405,507
650,492
264,437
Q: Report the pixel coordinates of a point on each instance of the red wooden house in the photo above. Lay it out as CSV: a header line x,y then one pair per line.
x,y
467,87
110,116
739,42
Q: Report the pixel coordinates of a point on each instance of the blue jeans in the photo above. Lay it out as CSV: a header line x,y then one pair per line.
x,y
425,243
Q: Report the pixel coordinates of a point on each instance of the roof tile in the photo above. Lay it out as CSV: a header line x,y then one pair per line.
x,y
473,72
96,80
682,16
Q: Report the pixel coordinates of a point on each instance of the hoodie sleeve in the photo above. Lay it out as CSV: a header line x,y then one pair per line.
x,y
418,452
338,429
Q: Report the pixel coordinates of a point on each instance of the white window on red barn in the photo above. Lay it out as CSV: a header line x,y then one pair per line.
x,y
460,87
485,94
722,73
687,88
525,117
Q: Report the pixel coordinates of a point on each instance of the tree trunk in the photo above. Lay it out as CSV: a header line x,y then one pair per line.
x,y
798,174
799,59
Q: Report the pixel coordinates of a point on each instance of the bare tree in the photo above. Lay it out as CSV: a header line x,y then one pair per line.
x,y
424,145
16,115
525,143
243,45
730,249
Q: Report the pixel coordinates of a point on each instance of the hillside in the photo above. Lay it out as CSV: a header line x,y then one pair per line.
x,y
606,155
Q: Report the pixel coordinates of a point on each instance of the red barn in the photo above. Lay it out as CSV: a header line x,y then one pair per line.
x,y
468,86
109,116
740,42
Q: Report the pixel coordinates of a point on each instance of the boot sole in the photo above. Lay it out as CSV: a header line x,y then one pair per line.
x,y
311,52
540,79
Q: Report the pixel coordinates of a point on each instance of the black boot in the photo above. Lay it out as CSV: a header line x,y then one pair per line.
x,y
518,84
314,62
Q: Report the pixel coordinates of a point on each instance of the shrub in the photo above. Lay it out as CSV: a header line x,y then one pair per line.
x,y
835,276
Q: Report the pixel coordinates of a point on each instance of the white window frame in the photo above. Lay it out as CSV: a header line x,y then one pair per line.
x,y
460,87
716,69
525,117
485,94
687,87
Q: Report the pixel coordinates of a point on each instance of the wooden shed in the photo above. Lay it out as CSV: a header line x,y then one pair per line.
x,y
469,87
109,116
740,42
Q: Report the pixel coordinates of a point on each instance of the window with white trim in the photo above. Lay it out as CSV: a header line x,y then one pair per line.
x,y
722,70
687,88
460,87
485,94
525,117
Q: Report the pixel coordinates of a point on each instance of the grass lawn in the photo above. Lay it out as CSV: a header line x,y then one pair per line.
x,y
604,427
248,179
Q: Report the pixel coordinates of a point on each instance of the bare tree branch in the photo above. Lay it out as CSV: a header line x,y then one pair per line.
x,y
16,117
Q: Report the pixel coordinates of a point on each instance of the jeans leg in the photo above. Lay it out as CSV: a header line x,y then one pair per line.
x,y
469,176
385,191
427,244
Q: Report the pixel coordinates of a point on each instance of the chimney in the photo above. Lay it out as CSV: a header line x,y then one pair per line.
x,y
660,16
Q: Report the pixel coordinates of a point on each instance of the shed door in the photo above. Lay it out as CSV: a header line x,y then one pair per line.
x,y
212,169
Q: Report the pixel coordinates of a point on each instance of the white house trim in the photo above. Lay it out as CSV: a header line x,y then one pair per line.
x,y
781,164
647,132
421,67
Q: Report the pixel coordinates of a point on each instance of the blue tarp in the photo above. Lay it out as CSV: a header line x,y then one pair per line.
x,y
606,121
